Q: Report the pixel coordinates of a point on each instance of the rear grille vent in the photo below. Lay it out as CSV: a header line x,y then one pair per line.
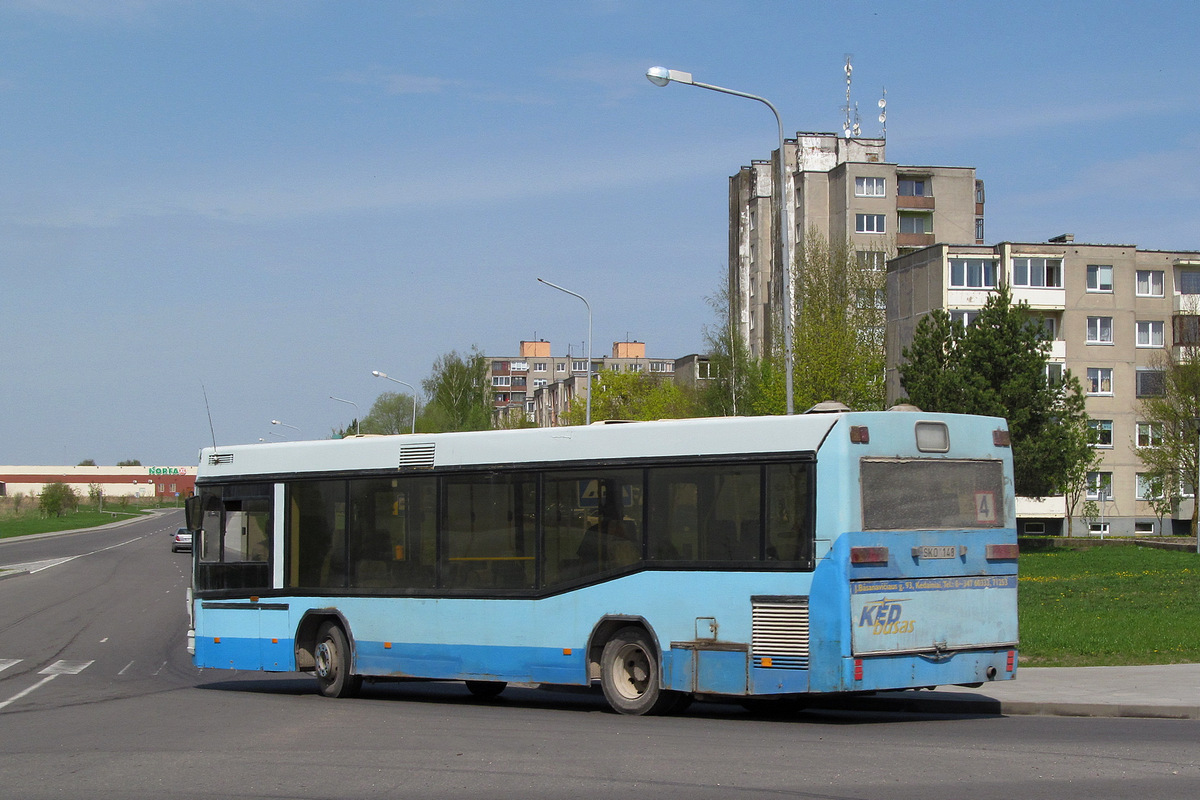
x,y
779,635
416,456
220,458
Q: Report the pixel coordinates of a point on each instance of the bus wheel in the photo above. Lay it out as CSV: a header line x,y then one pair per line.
x,y
629,675
332,658
486,690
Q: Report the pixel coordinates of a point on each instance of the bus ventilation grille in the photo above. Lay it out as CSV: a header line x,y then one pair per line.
x,y
416,456
779,636
220,458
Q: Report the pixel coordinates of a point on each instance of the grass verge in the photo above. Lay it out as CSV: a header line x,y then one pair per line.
x,y
30,524
1109,606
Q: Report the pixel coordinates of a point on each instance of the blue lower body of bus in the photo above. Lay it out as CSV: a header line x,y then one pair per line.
x,y
736,634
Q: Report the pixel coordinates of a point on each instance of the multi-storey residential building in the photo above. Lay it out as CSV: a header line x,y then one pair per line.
x,y
846,190
518,381
1110,310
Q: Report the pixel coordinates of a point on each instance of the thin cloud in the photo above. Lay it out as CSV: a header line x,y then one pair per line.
x,y
397,83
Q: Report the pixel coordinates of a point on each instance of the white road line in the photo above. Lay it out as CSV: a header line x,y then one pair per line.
x,y
37,566
160,669
127,666
21,694
51,672
5,663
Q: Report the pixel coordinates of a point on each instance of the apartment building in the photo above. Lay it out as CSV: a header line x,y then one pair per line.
x,y
847,190
541,386
1111,311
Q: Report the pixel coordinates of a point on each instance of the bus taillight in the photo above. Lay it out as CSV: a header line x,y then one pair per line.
x,y
868,555
1000,552
1012,660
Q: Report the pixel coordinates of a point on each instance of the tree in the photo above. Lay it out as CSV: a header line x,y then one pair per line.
x,y
133,462
459,394
96,495
87,462
632,396
838,340
1082,457
57,499
996,366
1169,449
392,412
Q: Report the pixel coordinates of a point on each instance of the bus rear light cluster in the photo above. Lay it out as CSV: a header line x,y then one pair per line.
x,y
868,555
1012,660
1000,552
858,669
860,434
1001,438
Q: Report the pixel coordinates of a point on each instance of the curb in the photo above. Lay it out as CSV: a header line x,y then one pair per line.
x,y
989,706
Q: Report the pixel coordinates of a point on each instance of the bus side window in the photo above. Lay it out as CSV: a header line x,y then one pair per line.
x,y
789,517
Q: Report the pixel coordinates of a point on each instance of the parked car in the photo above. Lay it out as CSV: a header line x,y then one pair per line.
x,y
182,540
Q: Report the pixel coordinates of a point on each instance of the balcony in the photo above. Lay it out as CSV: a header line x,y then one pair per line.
x,y
914,239
913,202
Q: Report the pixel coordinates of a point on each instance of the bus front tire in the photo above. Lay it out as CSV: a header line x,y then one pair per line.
x,y
629,675
332,657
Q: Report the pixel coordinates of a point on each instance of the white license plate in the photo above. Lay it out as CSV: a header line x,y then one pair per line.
x,y
939,551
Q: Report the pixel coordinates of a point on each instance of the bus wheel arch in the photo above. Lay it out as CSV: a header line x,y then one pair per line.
x,y
324,646
628,660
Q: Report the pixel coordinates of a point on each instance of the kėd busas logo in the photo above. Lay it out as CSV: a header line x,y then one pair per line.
x,y
885,616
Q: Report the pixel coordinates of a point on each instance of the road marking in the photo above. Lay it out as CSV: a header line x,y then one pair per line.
x,y
5,663
127,666
160,669
37,566
51,672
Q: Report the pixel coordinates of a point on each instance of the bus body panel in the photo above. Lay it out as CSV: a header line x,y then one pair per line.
x,y
919,618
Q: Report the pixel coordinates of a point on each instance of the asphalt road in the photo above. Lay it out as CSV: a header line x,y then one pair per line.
x,y
99,699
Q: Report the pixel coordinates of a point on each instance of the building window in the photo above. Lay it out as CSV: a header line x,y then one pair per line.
x,y
869,223
662,366
1099,277
1048,324
1150,283
1149,434
539,366
1151,382
1101,431
1149,487
1098,529
560,366
1099,380
501,397
1054,373
579,366
1189,281
912,187
633,367
499,366
972,273
916,223
1099,330
870,187
1150,333
1035,528
873,260
1099,486
963,318
538,382
1039,273
979,229
501,380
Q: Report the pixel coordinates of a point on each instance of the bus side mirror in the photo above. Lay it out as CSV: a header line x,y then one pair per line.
x,y
192,513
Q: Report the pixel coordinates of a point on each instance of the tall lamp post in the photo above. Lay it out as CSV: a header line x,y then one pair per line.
x,y
661,76
284,424
588,404
387,377
357,413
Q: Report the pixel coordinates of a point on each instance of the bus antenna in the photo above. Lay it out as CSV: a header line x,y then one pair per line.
x,y
209,412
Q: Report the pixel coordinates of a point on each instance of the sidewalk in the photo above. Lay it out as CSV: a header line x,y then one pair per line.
x,y
1166,692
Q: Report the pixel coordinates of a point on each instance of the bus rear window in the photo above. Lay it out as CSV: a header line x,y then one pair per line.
x,y
920,494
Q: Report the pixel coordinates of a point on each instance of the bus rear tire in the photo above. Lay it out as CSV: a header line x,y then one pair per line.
x,y
486,690
332,657
629,675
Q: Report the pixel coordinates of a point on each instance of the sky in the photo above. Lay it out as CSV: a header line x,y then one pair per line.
x,y
259,203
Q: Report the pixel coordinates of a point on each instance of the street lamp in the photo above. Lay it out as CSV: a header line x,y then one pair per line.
x,y
284,424
588,404
357,414
661,76
385,376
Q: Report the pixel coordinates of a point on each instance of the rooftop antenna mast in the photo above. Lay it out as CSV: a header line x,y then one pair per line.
x,y
883,112
851,127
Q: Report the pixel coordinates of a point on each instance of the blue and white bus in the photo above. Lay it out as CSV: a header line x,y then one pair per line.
x,y
743,558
